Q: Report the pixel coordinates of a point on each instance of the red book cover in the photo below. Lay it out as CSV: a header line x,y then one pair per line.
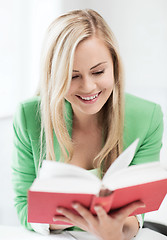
x,y
42,205
151,194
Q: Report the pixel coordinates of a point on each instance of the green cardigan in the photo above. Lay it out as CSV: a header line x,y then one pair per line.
x,y
143,120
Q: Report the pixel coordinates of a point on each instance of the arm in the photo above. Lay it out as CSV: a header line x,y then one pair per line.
x,y
23,166
23,171
130,227
150,145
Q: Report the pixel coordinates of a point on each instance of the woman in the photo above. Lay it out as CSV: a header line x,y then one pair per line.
x,y
82,116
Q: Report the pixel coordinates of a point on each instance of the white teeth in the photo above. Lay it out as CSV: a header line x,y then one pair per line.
x,y
90,98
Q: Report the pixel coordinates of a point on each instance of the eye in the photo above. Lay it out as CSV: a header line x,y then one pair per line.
x,y
98,72
76,76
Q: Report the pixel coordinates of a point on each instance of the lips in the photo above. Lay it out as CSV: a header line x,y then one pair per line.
x,y
90,98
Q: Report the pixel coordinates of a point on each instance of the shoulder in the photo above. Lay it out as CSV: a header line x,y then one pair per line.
x,y
134,104
28,117
140,110
142,118
30,104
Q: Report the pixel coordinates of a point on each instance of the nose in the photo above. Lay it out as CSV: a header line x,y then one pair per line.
x,y
88,85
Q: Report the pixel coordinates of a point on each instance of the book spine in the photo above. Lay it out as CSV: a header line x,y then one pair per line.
x,y
105,202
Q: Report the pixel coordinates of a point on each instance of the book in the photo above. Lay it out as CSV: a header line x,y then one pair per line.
x,y
61,184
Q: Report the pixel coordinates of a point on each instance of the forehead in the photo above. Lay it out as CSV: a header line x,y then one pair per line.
x,y
90,51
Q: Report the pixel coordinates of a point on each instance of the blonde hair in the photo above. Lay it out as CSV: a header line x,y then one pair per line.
x,y
62,38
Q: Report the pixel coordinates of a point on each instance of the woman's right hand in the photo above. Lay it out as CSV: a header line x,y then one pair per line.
x,y
115,226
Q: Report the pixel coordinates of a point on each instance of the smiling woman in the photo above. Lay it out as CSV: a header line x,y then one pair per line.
x,y
94,81
81,116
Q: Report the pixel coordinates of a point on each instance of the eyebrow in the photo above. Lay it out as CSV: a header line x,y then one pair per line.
x,y
92,67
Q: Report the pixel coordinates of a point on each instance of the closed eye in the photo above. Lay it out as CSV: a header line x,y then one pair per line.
x,y
98,73
76,76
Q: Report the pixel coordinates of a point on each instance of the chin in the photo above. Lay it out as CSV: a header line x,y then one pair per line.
x,y
92,111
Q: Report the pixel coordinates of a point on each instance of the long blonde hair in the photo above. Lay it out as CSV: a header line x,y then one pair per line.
x,y
62,38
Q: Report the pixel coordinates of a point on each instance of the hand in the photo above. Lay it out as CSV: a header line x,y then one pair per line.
x,y
57,227
116,226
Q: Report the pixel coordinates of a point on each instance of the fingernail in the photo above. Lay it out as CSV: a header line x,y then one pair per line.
x,y
59,210
96,208
75,205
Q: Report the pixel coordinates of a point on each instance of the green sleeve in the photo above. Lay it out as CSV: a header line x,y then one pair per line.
x,y
149,150
23,169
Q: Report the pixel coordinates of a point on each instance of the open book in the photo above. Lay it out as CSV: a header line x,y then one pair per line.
x,y
61,184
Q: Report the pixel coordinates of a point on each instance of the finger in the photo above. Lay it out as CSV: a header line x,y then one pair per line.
x,y
73,218
85,213
59,220
58,226
130,208
101,213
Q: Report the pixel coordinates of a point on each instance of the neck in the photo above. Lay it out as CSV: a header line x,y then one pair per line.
x,y
86,122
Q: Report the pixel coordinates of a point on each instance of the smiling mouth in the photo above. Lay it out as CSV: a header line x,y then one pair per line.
x,y
90,98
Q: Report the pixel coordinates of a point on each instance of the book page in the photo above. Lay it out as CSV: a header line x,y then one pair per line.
x,y
136,174
122,161
53,169
66,185
65,178
62,177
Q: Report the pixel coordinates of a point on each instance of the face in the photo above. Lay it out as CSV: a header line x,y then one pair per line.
x,y
93,78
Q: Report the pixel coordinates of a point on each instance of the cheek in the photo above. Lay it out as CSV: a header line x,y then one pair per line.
x,y
108,83
71,91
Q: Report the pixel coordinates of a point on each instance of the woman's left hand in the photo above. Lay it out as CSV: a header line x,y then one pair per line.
x,y
104,226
